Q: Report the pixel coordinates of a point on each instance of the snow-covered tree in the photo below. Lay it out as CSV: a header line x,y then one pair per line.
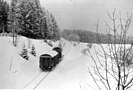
x,y
89,45
44,24
26,19
33,52
4,9
32,19
53,28
24,53
37,22
13,20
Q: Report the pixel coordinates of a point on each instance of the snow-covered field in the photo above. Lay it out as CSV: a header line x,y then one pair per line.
x,y
16,72
70,74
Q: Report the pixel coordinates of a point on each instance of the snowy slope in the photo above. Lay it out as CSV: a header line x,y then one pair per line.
x,y
16,72
70,74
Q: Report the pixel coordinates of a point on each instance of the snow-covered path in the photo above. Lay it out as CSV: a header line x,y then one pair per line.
x,y
17,73
70,74
36,80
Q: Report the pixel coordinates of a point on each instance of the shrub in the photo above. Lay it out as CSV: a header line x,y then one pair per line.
x,y
60,45
33,52
89,45
50,43
24,53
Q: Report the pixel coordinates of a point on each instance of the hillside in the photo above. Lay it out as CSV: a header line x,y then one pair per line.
x,y
92,37
70,74
15,71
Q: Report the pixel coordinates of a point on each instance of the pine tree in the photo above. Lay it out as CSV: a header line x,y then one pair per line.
x,y
25,19
53,29
40,19
32,19
4,9
24,53
36,22
89,45
13,20
33,52
45,23
56,32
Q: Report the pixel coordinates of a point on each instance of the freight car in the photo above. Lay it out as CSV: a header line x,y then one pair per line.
x,y
47,62
58,57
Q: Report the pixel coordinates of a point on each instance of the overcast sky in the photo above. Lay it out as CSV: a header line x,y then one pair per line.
x,y
83,14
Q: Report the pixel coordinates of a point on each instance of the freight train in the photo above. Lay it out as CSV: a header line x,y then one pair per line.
x,y
47,62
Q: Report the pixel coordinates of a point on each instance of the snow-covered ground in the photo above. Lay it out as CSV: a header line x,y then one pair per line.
x,y
70,74
16,72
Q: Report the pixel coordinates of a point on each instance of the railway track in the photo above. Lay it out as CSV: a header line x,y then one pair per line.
x,y
39,78
36,80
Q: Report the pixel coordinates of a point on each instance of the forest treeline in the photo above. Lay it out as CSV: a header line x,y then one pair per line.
x,y
91,37
28,18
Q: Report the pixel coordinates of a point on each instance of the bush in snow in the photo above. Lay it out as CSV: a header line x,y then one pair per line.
x,y
89,45
24,53
50,43
60,45
33,52
45,40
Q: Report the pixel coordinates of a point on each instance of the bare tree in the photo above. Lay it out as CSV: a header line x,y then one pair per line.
x,y
112,66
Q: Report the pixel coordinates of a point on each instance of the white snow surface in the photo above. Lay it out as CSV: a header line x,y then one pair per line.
x,y
15,71
70,74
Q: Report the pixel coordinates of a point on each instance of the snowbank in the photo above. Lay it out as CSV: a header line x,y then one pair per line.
x,y
70,74
16,72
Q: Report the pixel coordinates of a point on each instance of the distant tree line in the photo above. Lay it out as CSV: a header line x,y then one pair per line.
x,y
91,37
28,19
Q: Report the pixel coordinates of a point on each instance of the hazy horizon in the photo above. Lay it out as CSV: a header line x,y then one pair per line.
x,y
83,14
